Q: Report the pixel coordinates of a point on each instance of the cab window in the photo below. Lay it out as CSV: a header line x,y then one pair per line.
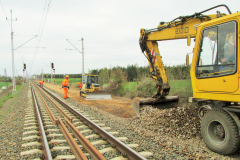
x,y
217,55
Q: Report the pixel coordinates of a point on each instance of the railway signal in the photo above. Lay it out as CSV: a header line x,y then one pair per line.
x,y
24,66
52,65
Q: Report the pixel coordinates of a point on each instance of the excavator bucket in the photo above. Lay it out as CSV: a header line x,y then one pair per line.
x,y
137,102
98,95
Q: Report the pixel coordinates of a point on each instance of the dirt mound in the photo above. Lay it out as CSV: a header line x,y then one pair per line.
x,y
181,122
119,106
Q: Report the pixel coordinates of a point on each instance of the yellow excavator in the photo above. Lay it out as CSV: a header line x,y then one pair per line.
x,y
91,89
215,72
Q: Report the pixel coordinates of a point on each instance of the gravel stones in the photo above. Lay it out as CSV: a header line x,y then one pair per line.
x,y
167,133
12,127
180,122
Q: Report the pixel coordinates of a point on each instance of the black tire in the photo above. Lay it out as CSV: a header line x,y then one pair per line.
x,y
220,132
81,94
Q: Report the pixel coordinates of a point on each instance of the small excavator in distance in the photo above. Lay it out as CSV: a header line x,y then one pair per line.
x,y
91,89
215,72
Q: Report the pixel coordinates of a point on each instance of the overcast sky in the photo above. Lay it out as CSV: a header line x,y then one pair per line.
x,y
110,29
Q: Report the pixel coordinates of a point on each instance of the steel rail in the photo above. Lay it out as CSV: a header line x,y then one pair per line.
x,y
44,142
52,117
124,149
71,142
58,108
84,142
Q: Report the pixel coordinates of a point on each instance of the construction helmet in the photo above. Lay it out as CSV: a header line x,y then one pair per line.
x,y
212,35
67,76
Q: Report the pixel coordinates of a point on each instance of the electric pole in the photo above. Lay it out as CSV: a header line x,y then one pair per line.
x,y
6,79
82,61
13,66
54,75
82,56
51,71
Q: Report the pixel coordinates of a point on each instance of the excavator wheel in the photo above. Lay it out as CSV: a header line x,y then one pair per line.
x,y
220,132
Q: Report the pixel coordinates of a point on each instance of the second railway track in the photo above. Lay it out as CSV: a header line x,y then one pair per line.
x,y
66,132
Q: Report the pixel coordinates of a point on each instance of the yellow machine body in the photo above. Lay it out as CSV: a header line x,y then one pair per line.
x,y
91,89
215,72
219,85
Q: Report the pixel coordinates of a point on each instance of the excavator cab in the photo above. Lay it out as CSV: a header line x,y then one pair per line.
x,y
91,82
91,89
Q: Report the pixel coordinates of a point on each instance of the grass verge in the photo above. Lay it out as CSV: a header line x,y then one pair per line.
x,y
72,81
5,98
4,84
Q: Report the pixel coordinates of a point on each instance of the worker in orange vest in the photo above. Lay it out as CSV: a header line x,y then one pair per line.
x,y
65,86
80,85
41,83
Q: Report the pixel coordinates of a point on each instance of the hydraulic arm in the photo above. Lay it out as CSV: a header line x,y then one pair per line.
x,y
180,28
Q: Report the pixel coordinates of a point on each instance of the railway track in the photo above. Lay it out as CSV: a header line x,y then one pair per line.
x,y
55,130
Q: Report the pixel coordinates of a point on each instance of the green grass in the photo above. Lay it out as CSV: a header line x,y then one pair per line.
x,y
130,86
5,98
180,85
182,89
72,81
174,84
4,84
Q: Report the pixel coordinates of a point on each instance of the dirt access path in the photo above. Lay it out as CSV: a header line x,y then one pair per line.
x,y
5,106
119,106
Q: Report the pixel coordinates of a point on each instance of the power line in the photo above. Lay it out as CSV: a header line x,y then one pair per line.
x,y
41,27
4,11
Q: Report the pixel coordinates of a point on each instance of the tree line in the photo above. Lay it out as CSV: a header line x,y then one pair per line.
x,y
48,75
5,79
133,73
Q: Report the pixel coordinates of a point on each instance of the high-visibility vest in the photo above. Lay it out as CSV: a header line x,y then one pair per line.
x,y
80,85
65,82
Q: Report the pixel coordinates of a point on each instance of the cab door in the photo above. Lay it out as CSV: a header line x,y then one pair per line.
x,y
216,69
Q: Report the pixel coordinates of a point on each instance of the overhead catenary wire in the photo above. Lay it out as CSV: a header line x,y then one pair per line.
x,y
41,28
4,12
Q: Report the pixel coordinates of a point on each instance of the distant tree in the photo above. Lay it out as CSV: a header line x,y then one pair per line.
x,y
47,75
94,72
103,76
3,79
131,72
117,80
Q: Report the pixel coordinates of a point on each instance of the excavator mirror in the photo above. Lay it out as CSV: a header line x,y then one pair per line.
x,y
189,40
187,60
